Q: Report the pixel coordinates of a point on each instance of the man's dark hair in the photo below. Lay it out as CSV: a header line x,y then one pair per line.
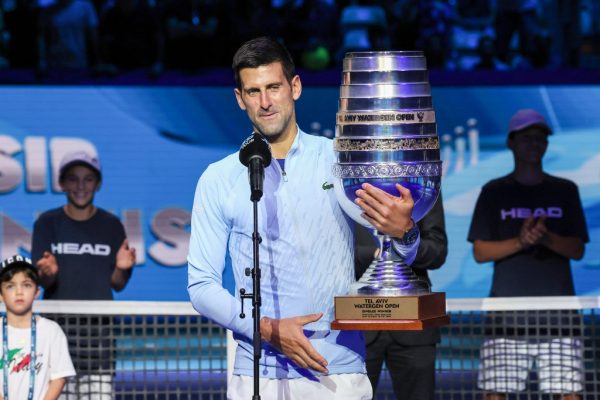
x,y
30,273
262,51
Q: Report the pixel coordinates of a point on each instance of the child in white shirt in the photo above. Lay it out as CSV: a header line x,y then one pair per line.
x,y
28,340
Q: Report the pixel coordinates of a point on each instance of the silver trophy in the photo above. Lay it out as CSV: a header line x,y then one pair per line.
x,y
386,134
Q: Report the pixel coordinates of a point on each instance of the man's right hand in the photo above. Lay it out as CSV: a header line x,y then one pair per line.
x,y
47,265
287,335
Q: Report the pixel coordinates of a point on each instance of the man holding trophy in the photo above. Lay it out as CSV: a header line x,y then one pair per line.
x,y
306,248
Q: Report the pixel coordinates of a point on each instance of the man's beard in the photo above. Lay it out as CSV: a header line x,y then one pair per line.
x,y
273,133
271,137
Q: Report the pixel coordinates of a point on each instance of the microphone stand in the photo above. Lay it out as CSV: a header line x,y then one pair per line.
x,y
255,296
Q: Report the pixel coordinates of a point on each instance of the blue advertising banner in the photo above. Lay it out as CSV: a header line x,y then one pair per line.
x,y
154,143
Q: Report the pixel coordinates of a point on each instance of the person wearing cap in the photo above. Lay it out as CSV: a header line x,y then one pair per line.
x,y
81,252
28,339
530,225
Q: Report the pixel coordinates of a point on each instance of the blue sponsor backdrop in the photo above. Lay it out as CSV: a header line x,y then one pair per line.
x,y
155,142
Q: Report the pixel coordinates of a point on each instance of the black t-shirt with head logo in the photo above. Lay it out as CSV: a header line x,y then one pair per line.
x,y
85,252
503,205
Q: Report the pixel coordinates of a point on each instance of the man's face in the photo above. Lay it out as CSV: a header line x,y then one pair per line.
x,y
529,145
18,293
80,184
268,99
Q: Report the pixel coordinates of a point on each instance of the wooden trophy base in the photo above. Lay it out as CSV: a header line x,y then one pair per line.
x,y
390,313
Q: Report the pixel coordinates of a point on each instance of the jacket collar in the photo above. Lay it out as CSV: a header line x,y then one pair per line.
x,y
298,143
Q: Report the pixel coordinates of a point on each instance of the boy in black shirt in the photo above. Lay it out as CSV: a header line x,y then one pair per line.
x,y
530,224
82,253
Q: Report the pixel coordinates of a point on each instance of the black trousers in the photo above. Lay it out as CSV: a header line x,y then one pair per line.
x,y
411,367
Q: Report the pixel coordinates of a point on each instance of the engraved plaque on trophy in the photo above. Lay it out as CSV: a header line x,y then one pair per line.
x,y
386,134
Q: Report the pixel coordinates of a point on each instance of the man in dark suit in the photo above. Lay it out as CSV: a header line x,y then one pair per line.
x,y
409,355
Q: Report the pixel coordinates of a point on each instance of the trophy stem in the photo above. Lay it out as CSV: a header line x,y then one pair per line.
x,y
389,275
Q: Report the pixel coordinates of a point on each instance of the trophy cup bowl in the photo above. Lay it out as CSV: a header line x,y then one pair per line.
x,y
386,134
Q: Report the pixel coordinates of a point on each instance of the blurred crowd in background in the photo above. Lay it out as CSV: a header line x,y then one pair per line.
x,y
108,37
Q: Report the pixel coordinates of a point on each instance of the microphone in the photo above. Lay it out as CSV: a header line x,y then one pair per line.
x,y
255,153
